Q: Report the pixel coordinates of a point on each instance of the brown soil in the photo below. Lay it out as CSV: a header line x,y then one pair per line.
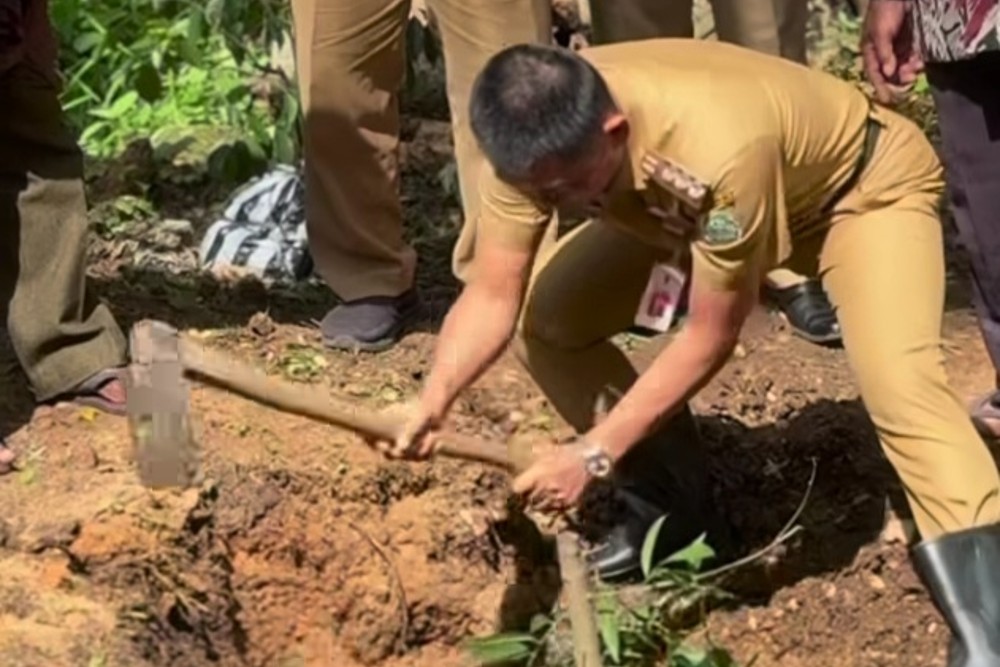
x,y
305,549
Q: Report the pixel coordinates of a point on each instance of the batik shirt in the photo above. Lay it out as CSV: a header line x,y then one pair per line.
x,y
949,30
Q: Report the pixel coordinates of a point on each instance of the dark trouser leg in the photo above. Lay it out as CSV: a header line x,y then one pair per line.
x,y
968,101
60,333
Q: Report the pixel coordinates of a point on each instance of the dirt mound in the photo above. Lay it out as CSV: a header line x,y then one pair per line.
x,y
271,568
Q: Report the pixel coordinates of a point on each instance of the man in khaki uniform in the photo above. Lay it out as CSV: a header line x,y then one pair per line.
x,y
721,163
351,64
67,343
776,27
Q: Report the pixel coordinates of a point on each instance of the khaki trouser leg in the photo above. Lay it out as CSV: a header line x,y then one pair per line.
x,y
351,64
587,289
749,23
628,20
884,270
584,291
793,17
61,334
471,32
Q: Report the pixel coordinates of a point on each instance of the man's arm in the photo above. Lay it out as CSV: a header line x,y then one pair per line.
x,y
482,320
727,267
681,370
479,325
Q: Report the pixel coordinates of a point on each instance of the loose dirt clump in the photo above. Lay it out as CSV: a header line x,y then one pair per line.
x,y
272,568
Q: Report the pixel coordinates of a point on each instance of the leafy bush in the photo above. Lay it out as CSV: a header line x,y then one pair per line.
x,y
177,71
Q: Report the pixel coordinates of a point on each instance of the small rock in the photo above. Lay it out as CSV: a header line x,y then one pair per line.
x,y
739,351
895,531
876,582
752,622
55,571
36,539
830,591
262,325
182,228
793,605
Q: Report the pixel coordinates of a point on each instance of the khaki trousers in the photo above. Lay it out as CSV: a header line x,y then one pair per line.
x,y
881,261
777,27
60,333
351,65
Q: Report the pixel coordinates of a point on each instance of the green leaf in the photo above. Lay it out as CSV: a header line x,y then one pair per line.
x,y
87,41
608,625
693,555
540,623
148,83
690,656
649,545
501,648
214,11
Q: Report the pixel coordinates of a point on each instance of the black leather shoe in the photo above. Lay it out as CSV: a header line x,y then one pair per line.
x,y
618,557
962,573
808,311
665,474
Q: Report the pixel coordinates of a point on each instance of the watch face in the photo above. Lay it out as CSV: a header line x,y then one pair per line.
x,y
598,464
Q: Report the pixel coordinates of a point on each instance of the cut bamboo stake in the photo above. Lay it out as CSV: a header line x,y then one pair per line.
x,y
586,641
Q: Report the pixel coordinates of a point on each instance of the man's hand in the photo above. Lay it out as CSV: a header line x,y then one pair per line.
x,y
556,480
418,437
891,61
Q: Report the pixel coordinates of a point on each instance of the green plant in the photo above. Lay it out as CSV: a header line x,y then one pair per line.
x,y
644,632
631,634
180,71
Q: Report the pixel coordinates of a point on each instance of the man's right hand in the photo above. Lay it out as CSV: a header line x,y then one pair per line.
x,y
888,50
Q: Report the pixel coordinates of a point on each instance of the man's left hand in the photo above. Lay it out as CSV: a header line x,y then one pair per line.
x,y
556,480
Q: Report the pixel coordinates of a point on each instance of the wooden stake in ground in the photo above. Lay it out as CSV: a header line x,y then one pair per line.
x,y
586,641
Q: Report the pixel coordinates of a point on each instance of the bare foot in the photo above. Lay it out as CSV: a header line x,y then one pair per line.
x,y
113,391
104,390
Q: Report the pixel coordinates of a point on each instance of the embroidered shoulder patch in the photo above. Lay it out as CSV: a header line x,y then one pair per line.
x,y
721,227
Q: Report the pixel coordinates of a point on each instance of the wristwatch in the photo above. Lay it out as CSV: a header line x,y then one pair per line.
x,y
597,461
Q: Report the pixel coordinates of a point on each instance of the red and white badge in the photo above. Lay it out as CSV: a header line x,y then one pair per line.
x,y
662,296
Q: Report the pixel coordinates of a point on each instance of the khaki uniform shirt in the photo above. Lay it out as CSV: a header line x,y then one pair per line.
x,y
770,140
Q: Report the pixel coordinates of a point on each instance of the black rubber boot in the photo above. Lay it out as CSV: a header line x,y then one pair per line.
x,y
808,311
665,474
962,574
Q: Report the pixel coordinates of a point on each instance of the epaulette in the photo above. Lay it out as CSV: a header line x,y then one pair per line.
x,y
689,198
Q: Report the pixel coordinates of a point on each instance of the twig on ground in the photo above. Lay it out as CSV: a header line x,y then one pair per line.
x,y
787,532
404,609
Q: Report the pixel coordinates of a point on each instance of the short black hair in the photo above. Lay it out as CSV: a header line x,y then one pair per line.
x,y
532,102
